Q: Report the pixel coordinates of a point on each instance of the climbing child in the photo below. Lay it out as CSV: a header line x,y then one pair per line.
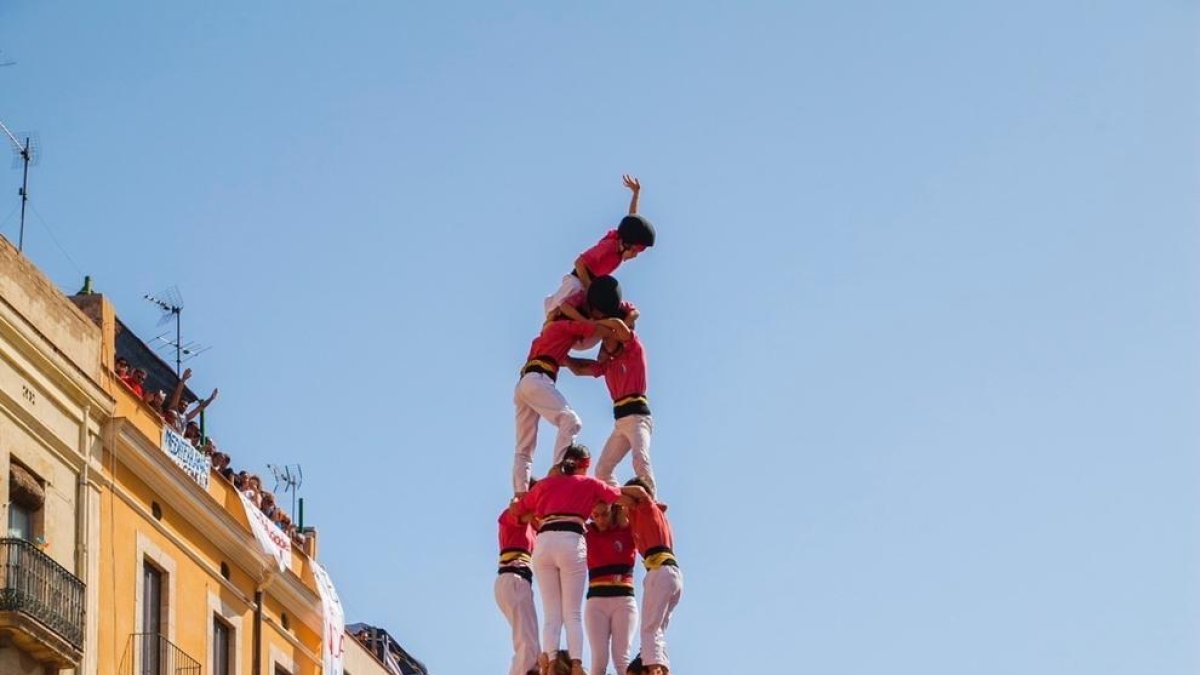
x,y
623,367
633,235
536,396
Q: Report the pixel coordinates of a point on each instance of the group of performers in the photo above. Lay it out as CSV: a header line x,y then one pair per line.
x,y
589,529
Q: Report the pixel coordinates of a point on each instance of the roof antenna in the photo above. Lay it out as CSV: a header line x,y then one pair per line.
x,y
25,156
171,303
291,477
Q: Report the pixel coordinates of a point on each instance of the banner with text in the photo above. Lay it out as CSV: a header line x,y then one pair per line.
x,y
273,540
192,461
333,646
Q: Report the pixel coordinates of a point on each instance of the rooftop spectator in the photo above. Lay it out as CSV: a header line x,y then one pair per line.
x,y
176,412
156,399
136,381
121,368
192,434
267,505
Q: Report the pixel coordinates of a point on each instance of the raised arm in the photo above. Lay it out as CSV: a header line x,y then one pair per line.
x,y
636,188
178,393
203,404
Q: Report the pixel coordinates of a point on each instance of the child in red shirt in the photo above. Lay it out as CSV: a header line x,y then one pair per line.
x,y
623,367
633,235
514,589
662,586
536,397
611,612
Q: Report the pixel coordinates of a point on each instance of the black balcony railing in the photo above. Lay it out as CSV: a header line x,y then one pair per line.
x,y
153,654
35,585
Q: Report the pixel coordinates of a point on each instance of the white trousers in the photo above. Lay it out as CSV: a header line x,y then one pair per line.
x,y
570,286
610,621
661,590
631,432
560,568
536,397
514,596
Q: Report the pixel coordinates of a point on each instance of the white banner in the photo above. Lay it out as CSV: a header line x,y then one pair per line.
x,y
192,461
273,540
333,646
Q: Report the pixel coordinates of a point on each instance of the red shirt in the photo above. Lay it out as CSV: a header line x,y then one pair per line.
x,y
648,521
516,541
605,257
610,559
568,495
613,546
557,338
625,372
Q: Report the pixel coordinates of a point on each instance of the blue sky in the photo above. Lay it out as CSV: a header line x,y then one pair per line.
x,y
922,320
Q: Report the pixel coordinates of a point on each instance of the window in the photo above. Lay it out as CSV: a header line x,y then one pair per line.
x,y
20,522
152,619
26,495
222,636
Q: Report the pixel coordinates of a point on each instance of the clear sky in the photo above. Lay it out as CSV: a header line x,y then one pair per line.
x,y
922,320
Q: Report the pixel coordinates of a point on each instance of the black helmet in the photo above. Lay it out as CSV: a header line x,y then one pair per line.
x,y
604,296
636,230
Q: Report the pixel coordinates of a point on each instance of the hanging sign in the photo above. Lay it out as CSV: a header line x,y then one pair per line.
x,y
333,647
273,540
192,461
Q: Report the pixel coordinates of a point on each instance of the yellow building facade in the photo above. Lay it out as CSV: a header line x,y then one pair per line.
x,y
125,554
53,410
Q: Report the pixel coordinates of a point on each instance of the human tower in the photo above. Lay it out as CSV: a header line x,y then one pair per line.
x,y
576,533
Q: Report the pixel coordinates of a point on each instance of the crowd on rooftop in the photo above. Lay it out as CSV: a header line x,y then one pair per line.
x,y
181,415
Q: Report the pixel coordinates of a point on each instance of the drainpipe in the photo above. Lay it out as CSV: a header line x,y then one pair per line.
x,y
82,506
258,619
83,514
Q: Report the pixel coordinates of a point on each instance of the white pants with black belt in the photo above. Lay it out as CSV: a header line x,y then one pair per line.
x,y
661,590
611,621
514,596
560,567
631,432
537,397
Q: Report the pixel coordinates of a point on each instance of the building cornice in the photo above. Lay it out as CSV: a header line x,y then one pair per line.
x,y
150,464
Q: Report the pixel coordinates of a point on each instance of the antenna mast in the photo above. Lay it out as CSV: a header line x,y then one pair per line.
x,y
173,306
26,153
291,477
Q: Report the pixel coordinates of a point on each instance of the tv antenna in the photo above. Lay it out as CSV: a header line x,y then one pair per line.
x,y
171,303
190,350
291,477
24,156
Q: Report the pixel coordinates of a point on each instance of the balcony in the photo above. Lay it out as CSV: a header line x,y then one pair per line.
x,y
41,604
153,654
